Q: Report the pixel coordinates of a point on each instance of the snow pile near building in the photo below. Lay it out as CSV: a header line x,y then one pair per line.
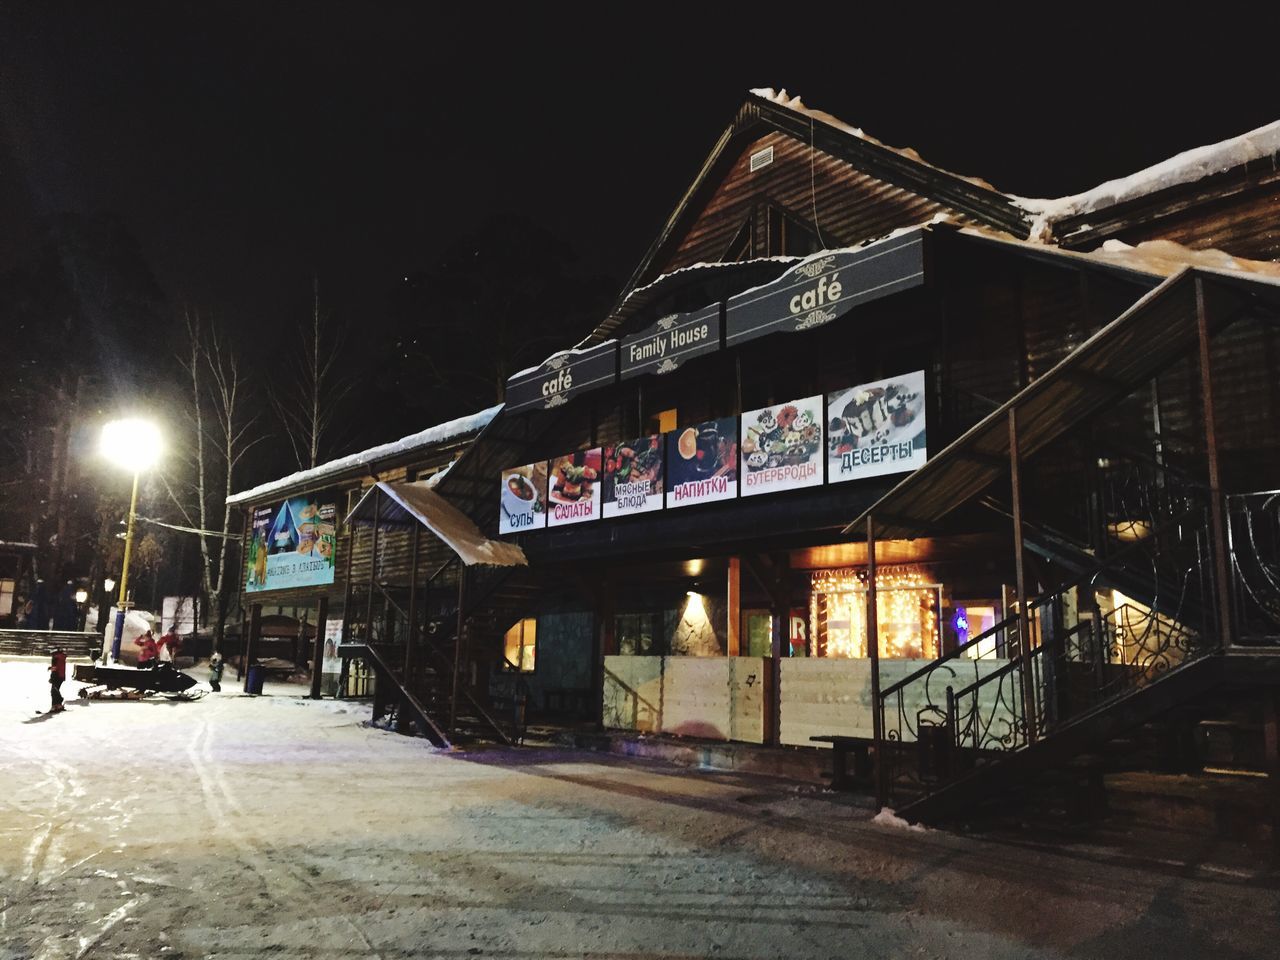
x,y
887,818
1186,167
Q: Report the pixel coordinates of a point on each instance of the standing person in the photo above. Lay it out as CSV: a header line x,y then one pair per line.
x,y
57,673
172,642
215,672
149,654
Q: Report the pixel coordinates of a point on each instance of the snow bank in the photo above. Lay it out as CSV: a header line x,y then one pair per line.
x,y
887,818
1186,167
473,423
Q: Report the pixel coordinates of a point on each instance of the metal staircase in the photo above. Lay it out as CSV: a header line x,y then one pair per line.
x,y
424,679
1130,631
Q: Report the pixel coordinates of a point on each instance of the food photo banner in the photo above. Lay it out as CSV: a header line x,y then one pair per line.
x,y
524,498
574,488
877,428
633,476
562,376
292,544
702,463
782,447
824,287
670,342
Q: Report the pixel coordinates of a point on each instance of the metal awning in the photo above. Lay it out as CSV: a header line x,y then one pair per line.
x,y
403,504
1133,348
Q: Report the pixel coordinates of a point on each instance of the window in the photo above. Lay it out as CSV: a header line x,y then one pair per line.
x,y
520,646
6,597
664,421
907,606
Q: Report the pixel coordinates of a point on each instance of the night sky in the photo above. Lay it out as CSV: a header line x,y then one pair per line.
x,y
249,147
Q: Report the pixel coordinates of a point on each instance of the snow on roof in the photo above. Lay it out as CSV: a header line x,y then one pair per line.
x,y
18,544
796,105
1186,167
473,423
1166,258
571,352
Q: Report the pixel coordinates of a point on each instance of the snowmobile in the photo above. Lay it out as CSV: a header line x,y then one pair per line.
x,y
162,678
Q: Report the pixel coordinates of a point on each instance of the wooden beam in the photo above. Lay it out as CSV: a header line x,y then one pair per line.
x,y
733,603
1024,621
317,646
1217,519
255,627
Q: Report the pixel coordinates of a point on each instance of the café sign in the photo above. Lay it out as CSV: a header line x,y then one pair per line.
x,y
562,376
663,347
826,286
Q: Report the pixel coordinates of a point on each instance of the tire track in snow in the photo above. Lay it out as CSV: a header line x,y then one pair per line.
x,y
221,802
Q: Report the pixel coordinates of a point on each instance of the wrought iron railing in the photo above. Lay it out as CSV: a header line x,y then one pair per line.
x,y
1140,614
1253,537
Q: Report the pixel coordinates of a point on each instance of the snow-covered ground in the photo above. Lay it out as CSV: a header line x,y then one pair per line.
x,y
250,827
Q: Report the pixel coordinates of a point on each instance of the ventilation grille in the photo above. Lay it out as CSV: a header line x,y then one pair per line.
x,y
761,158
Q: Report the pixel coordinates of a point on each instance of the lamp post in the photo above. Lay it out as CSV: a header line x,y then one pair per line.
x,y
134,445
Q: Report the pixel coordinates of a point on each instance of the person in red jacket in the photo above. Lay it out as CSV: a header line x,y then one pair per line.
x,y
149,654
57,673
172,642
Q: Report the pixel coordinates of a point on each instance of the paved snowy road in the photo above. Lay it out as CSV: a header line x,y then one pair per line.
x,y
239,827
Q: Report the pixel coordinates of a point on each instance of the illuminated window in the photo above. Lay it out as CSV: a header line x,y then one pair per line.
x,y
520,646
664,421
6,597
906,614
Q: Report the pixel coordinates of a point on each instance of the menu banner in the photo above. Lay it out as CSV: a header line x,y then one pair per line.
x,y
293,544
564,375
782,447
574,488
633,476
824,287
524,498
663,347
877,428
702,463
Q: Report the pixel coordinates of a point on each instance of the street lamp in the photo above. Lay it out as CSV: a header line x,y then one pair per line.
x,y
135,445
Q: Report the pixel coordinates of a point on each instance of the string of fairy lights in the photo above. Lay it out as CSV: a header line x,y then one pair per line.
x,y
907,604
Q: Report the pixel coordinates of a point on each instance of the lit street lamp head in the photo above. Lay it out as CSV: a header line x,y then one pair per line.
x,y
133,444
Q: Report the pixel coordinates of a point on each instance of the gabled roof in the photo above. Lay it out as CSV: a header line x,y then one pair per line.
x,y
765,111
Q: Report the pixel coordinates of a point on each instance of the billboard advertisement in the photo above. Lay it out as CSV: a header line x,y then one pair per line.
x,y
702,463
633,476
574,493
876,428
292,544
524,498
782,447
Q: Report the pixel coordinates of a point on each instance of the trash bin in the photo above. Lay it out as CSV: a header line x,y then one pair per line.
x,y
256,676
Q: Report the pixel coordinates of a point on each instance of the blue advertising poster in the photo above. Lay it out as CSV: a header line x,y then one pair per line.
x,y
293,544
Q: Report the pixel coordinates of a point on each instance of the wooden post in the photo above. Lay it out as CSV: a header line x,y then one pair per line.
x,y
873,655
411,635
604,642
317,646
779,647
734,605
1024,621
1217,520
373,566
255,624
457,646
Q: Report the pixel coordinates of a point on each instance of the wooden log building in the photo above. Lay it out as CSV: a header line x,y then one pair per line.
x,y
876,454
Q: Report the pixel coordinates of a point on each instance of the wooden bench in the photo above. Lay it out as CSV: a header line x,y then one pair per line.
x,y
841,749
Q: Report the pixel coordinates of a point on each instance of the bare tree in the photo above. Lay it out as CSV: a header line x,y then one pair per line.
x,y
223,433
309,404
